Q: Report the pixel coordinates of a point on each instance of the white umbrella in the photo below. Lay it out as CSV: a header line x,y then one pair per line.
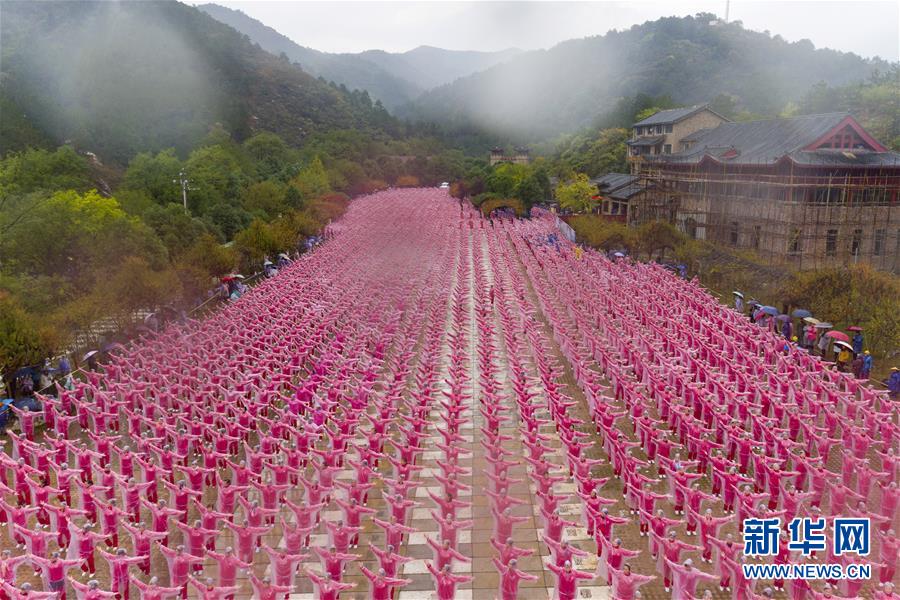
x,y
738,294
88,355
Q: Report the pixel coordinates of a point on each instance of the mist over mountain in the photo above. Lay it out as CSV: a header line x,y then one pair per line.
x,y
122,77
393,78
692,59
429,67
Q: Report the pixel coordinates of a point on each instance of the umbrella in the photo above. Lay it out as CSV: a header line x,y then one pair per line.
x,y
115,346
855,328
769,310
838,335
284,256
88,355
801,313
266,263
150,316
812,320
618,255
843,344
823,325
783,318
738,294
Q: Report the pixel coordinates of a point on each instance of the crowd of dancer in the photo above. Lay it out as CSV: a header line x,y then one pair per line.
x,y
280,444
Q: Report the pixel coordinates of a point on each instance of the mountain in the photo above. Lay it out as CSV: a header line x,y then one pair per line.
x,y
429,67
692,59
117,78
350,70
393,78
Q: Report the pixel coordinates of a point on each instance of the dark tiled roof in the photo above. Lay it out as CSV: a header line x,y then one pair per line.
x,y
613,181
673,115
847,157
766,142
626,192
646,141
618,186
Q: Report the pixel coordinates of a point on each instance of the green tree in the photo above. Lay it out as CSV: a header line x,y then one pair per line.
x,y
227,219
215,177
272,157
175,228
577,195
31,170
78,236
312,180
606,154
256,242
266,198
155,175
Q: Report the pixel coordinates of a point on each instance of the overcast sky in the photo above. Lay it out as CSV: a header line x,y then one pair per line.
x,y
868,28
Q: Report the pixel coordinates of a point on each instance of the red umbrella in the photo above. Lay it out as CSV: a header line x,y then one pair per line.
x,y
854,328
838,335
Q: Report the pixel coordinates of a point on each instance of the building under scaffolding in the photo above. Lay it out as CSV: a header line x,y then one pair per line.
x,y
809,192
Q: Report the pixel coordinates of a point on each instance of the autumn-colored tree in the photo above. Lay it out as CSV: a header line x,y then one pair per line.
x,y
407,181
211,256
23,341
577,195
656,237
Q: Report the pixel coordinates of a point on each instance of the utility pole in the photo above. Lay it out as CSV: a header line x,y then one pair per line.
x,y
727,9
183,181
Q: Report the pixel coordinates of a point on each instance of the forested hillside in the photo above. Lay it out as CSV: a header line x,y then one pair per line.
x,y
350,70
689,60
393,78
117,78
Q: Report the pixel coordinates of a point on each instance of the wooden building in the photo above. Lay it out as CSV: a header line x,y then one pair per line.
x,y
810,191
662,132
617,192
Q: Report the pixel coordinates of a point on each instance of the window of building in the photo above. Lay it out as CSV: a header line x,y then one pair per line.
x,y
668,129
878,242
735,229
690,227
856,242
667,149
757,234
831,242
794,241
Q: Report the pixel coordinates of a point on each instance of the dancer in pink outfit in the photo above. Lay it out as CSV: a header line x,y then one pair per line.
x,y
382,586
625,582
326,588
510,576
152,590
445,582
264,589
567,580
444,554
686,578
